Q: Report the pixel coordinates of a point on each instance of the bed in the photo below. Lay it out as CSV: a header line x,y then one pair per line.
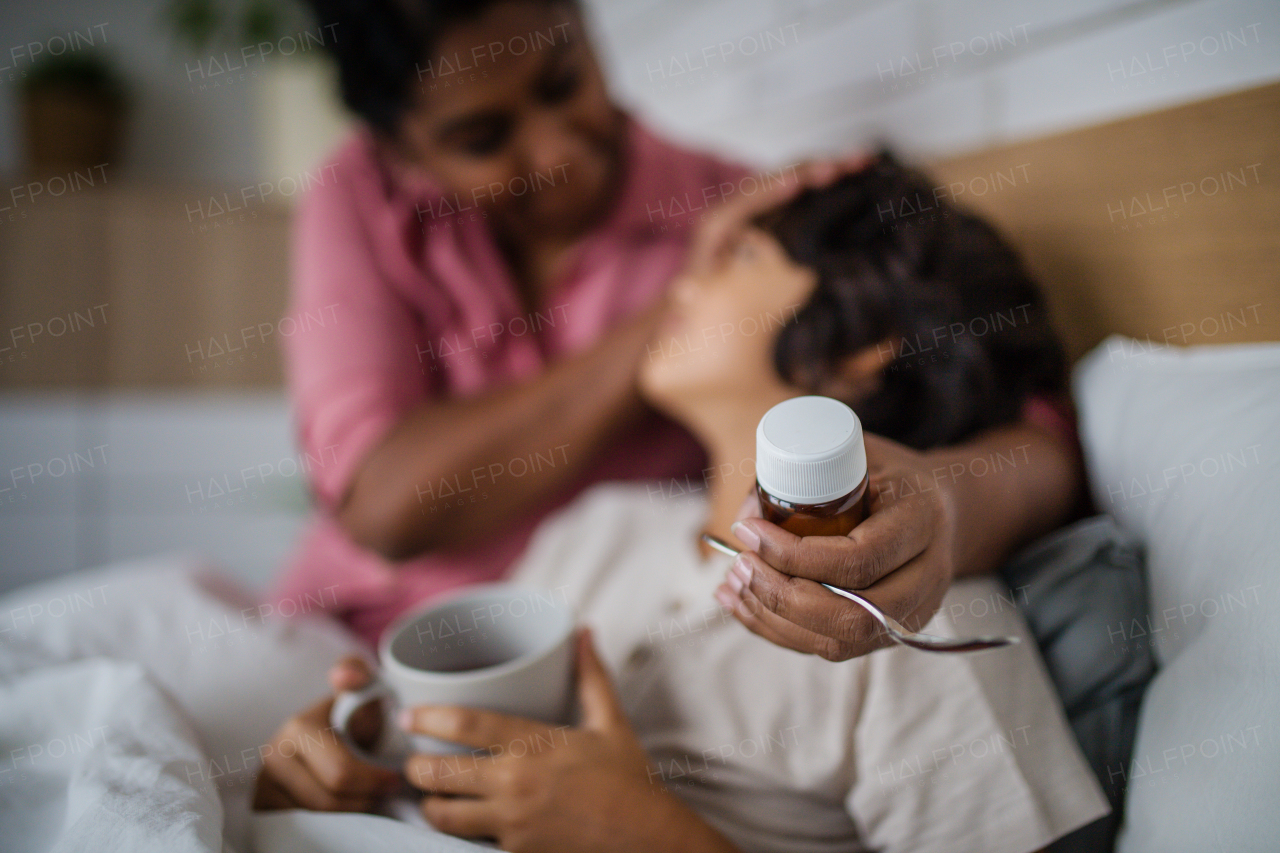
x,y
1156,239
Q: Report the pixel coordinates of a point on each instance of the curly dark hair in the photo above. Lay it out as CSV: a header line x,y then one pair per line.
x,y
381,46
897,262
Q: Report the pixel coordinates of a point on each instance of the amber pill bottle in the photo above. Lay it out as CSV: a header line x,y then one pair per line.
x,y
811,467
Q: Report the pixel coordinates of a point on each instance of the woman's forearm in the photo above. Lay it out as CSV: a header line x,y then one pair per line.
x,y
415,491
1009,485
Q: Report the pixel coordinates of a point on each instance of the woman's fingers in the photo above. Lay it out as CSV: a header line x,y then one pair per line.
x,y
809,617
803,615
820,173
889,537
899,558
752,614
715,234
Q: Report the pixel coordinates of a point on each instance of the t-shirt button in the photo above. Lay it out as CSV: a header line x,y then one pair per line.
x,y
639,656
675,606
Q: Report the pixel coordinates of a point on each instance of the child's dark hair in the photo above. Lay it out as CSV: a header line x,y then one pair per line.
x,y
382,47
965,332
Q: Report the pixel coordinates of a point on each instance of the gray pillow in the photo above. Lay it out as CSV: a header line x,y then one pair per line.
x,y
1079,588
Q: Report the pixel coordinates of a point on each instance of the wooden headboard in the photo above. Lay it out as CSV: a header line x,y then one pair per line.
x,y
1163,226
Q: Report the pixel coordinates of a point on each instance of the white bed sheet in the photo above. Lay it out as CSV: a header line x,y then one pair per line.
x,y
135,701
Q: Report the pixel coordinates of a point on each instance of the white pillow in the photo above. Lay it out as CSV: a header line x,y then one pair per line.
x,y
1183,449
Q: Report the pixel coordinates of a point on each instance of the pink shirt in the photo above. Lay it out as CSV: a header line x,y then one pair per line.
x,y
400,296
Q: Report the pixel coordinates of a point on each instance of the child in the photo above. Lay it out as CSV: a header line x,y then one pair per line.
x,y
745,744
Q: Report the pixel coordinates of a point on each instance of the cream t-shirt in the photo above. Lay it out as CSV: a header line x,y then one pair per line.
x,y
900,750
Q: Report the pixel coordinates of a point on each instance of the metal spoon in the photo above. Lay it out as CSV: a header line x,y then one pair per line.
x,y
898,632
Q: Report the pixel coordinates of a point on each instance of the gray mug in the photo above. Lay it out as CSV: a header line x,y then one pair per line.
x,y
500,647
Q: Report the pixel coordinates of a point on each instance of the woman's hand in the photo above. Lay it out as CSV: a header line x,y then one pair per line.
x,y
901,558
715,233
307,766
535,787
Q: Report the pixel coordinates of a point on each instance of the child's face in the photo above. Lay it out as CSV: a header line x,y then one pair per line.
x,y
511,114
718,336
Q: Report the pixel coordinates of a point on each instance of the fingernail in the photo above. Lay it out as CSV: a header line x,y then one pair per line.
x,y
745,535
734,582
742,571
726,598
404,719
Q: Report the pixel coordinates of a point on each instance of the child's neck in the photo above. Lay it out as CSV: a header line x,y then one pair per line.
x,y
727,429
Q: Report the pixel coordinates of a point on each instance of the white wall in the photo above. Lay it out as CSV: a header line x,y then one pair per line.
x,y
839,74
87,480
819,78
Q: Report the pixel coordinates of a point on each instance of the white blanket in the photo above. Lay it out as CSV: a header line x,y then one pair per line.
x,y
135,704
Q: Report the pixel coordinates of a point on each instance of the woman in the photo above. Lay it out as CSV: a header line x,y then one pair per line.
x,y
494,252
713,738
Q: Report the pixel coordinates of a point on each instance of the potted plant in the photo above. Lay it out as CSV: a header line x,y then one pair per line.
x,y
202,25
298,112
73,108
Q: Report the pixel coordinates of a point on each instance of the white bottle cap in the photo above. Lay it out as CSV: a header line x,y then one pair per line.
x,y
809,450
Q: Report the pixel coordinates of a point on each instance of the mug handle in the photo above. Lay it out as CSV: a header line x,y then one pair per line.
x,y
393,745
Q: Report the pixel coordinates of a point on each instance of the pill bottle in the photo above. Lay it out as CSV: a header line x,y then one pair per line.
x,y
811,467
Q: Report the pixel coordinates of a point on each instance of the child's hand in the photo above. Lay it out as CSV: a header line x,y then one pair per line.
x,y
534,787
307,766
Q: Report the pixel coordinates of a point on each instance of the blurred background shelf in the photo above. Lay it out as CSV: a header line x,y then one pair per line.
x,y
142,286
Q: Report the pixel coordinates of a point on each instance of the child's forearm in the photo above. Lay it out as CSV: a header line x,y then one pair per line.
x,y
675,826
